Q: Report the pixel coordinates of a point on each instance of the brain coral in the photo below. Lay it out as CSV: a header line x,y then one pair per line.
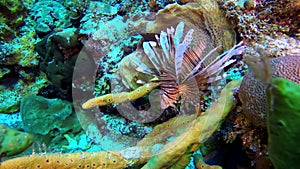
x,y
253,90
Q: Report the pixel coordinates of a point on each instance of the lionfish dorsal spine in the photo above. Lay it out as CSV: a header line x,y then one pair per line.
x,y
179,54
142,67
164,43
160,57
178,33
152,56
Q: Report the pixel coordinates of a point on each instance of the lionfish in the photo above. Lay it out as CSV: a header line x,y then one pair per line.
x,y
181,71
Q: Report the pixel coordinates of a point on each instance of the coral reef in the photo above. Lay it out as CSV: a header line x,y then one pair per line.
x,y
12,15
251,123
19,74
197,131
100,13
202,16
49,16
107,46
271,25
148,27
13,142
126,67
256,19
112,49
253,90
19,59
13,89
174,58
58,53
270,29
21,52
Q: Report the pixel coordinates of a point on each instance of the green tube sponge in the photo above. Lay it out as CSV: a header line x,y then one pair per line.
x,y
13,142
284,123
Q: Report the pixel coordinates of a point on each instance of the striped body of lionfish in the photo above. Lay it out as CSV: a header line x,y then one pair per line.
x,y
179,72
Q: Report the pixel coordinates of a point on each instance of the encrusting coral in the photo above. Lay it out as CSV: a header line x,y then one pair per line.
x,y
198,131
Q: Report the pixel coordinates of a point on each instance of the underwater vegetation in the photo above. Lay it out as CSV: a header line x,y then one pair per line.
x,y
149,84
